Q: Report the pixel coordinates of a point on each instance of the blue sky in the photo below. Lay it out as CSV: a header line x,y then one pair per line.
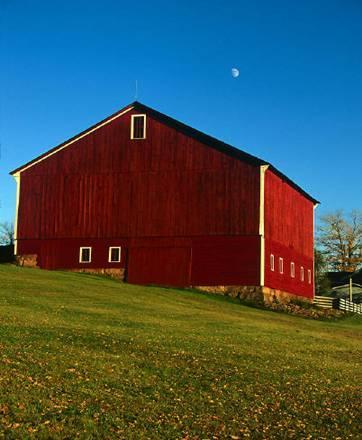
x,y
297,102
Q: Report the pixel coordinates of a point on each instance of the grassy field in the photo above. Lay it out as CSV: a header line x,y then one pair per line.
x,y
87,357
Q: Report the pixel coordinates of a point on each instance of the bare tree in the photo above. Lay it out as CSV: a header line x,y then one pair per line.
x,y
6,233
340,239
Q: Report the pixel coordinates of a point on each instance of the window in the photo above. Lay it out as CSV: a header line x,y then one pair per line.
x,y
85,254
114,254
138,127
292,269
281,265
302,273
309,276
272,262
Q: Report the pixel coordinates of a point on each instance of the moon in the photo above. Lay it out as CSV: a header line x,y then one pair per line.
x,y
235,72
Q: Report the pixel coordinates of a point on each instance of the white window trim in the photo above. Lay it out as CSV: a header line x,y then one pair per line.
x,y
281,265
110,254
80,254
309,276
302,273
144,126
272,263
292,269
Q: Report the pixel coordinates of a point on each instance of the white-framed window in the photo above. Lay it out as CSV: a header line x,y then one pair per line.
x,y
292,269
85,255
272,262
309,276
138,127
281,265
302,273
114,254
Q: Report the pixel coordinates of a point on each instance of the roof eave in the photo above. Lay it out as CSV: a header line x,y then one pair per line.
x,y
73,138
294,185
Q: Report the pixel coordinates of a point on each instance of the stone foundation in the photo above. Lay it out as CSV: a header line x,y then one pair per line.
x,y
117,274
29,260
255,294
248,293
275,295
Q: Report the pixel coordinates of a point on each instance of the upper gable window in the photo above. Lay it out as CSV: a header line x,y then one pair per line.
x,y
138,127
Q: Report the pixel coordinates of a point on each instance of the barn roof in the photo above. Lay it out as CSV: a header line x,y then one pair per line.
x,y
183,128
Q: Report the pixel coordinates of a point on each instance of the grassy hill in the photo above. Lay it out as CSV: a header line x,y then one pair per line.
x,y
87,357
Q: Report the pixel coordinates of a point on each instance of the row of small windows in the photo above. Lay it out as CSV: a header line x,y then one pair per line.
x,y
114,254
292,268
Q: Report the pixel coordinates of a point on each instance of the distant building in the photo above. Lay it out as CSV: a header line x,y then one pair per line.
x,y
340,284
162,203
339,278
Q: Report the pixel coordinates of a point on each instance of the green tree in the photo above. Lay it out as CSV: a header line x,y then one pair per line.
x,y
322,284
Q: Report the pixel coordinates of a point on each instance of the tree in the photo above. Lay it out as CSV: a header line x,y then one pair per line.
x,y
340,239
6,233
322,283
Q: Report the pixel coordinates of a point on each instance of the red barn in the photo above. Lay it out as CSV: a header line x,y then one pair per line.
x,y
165,204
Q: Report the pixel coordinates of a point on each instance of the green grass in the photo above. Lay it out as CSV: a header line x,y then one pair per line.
x,y
87,357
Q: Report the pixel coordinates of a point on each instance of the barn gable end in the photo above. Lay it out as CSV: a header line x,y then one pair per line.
x,y
185,208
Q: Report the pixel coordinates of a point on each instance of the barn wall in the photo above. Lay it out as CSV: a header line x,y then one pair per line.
x,y
168,266
169,261
106,185
64,254
288,234
226,261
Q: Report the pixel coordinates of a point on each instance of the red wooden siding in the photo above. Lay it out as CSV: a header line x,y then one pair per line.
x,y
202,261
168,266
288,234
226,261
106,185
167,261
285,281
64,254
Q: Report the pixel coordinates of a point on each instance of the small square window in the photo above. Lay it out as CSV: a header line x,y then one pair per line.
x,y
281,265
85,254
114,255
309,276
272,262
302,273
292,269
138,127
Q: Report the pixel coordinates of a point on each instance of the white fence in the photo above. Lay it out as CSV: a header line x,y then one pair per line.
x,y
349,306
326,302
323,301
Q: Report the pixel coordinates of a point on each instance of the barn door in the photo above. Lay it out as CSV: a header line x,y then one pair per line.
x,y
159,265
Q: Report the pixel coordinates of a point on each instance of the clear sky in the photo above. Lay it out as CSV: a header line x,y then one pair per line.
x,y
296,103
